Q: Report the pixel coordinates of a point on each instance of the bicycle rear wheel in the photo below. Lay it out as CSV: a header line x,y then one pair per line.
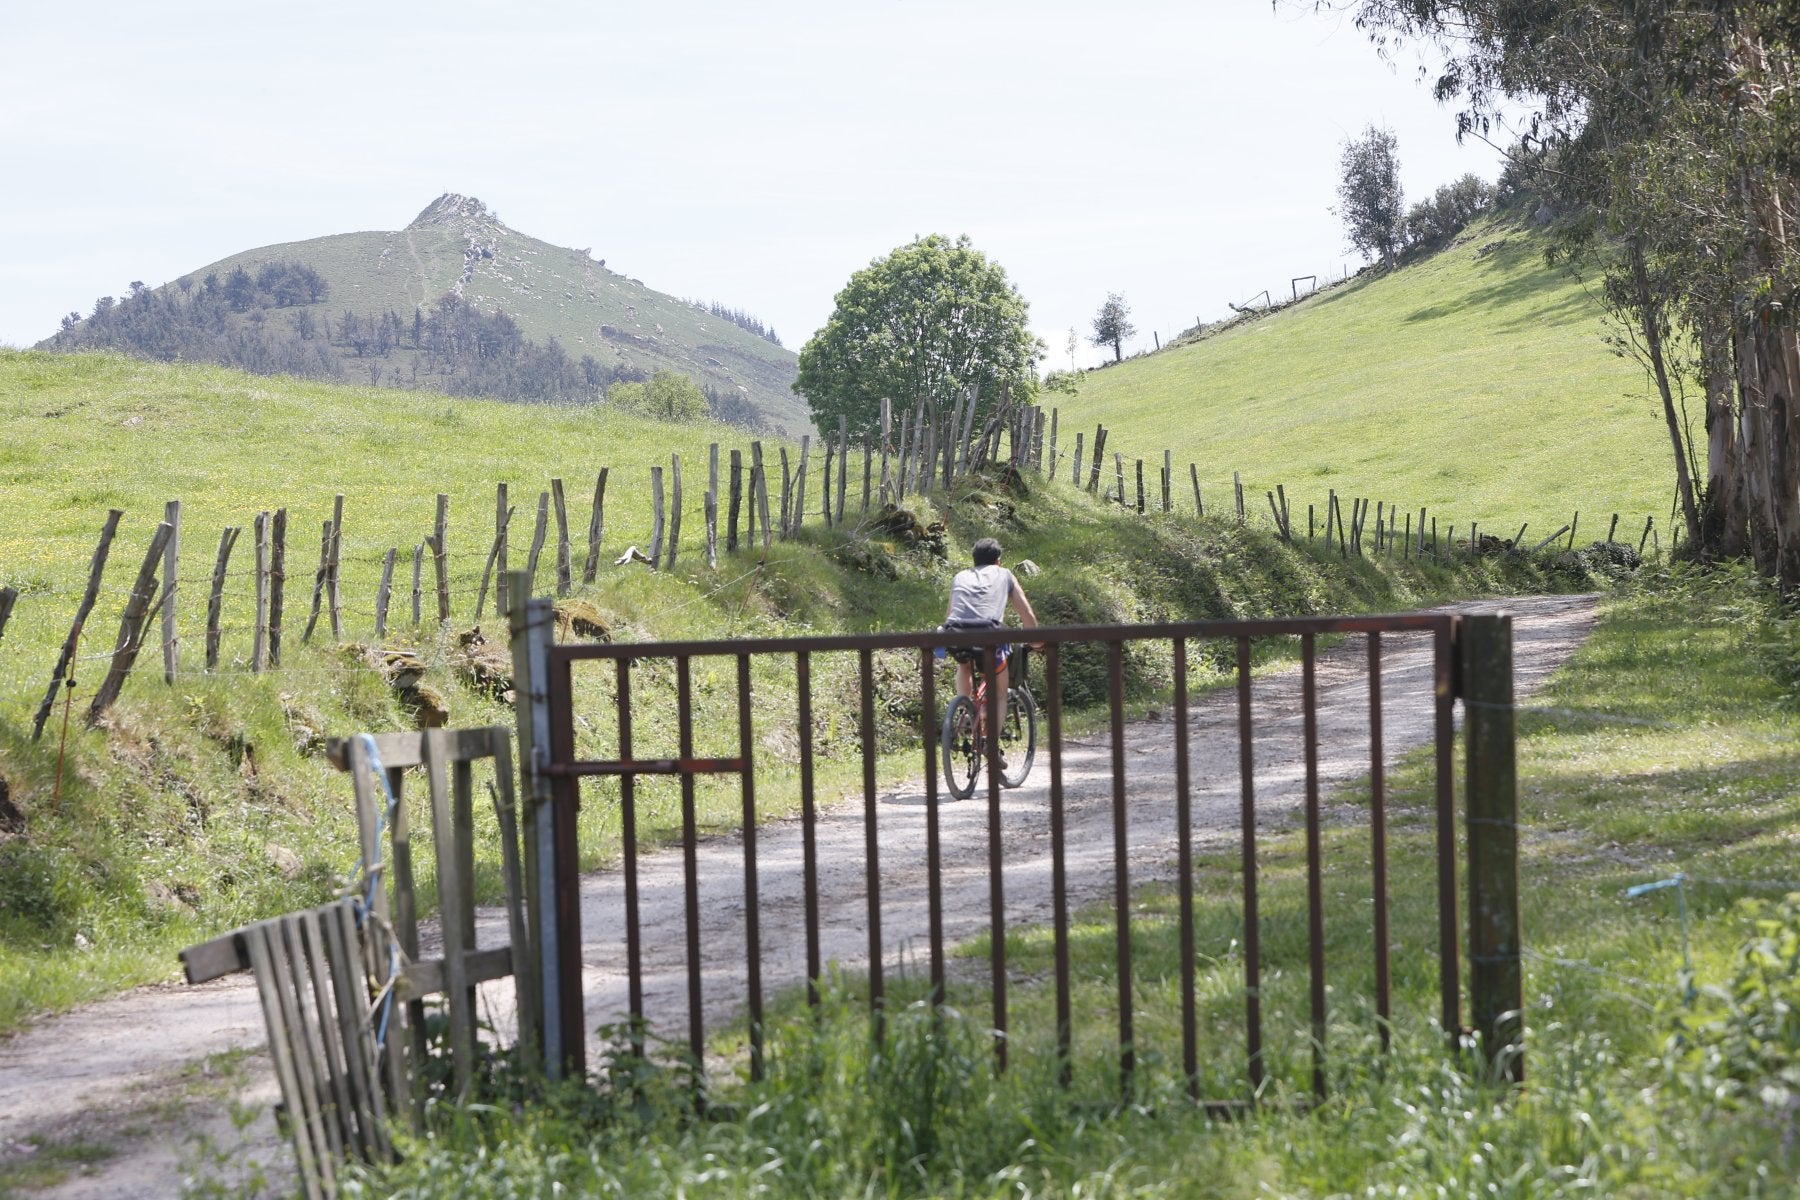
x,y
1018,741
962,755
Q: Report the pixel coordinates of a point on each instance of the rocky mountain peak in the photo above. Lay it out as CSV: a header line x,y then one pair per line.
x,y
452,208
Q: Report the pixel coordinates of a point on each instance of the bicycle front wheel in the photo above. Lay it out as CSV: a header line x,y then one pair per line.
x,y
1018,741
962,754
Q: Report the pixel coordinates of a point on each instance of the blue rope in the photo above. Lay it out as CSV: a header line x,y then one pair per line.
x,y
1679,882
371,873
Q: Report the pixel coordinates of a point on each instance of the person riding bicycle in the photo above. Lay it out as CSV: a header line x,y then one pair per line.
x,y
979,596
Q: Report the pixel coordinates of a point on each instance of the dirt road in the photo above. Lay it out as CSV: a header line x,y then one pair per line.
x,y
126,1072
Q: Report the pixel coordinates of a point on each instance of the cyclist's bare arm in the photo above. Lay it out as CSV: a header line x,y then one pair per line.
x,y
1022,606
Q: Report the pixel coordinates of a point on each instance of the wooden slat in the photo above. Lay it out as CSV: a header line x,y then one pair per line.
x,y
522,962
281,1054
427,976
450,903
343,1115
311,1032
349,983
223,955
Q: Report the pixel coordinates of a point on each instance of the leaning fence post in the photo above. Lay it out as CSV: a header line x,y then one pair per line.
x,y
259,645
215,603
171,581
333,593
1496,990
64,671
565,561
133,623
596,530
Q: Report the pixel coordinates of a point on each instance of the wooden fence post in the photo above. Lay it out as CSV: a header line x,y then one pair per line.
x,y
418,612
333,593
762,504
1574,523
65,661
319,580
9,596
712,504
277,583
441,557
1140,486
494,553
590,570
1613,528
132,625
887,437
538,533
385,592
215,603
674,507
1053,415
1119,472
867,465
787,481
800,483
1496,988
1237,487
259,643
1194,477
737,496
1099,448
565,561
171,588
1075,476
1168,479
497,559
656,518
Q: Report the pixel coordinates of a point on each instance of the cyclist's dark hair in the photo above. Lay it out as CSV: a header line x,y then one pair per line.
x,y
987,552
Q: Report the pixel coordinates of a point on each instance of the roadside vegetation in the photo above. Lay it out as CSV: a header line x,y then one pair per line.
x,y
1663,1057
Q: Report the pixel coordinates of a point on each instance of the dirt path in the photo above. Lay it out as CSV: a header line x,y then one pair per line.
x,y
126,1072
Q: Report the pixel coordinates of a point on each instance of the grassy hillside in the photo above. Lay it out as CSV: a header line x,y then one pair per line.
x,y
206,804
1474,382
456,244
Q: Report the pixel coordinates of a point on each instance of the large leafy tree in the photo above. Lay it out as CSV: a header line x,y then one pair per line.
x,y
1369,197
928,321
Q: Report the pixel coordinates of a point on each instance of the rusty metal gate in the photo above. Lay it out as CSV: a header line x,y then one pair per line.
x,y
1470,658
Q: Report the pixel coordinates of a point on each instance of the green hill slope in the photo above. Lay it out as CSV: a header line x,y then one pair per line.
x,y
1474,382
457,246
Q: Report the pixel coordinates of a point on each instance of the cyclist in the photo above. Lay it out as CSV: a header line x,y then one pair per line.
x,y
979,597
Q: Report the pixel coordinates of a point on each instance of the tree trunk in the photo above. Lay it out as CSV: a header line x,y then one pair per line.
x,y
1652,329
1723,520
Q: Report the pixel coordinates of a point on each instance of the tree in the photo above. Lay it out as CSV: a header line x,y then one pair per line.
x,y
1369,197
1112,325
666,396
928,321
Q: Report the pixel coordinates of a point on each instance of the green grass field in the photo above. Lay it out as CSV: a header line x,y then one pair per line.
x,y
1474,383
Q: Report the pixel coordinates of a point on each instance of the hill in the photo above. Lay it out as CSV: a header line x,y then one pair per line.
x,y
1474,382
344,306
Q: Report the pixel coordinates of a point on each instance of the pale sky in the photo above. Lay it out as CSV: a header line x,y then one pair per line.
x,y
1182,153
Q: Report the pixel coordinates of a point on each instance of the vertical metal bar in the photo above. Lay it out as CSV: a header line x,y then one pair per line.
x,y
634,946
996,884
530,625
808,825
1252,922
752,925
565,791
1496,994
1378,844
1185,869
1449,969
690,869
933,864
871,846
1059,882
1315,888
1115,686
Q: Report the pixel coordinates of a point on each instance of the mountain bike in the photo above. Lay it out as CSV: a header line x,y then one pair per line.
x,y
964,737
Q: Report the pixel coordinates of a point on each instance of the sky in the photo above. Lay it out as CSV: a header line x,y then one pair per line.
x,y
1183,154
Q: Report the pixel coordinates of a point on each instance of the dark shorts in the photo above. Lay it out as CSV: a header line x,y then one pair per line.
x,y
973,655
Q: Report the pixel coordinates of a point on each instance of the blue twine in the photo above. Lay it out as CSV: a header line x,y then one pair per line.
x,y
371,872
1679,882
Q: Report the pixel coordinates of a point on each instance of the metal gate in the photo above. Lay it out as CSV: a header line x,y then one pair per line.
x,y
1470,657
